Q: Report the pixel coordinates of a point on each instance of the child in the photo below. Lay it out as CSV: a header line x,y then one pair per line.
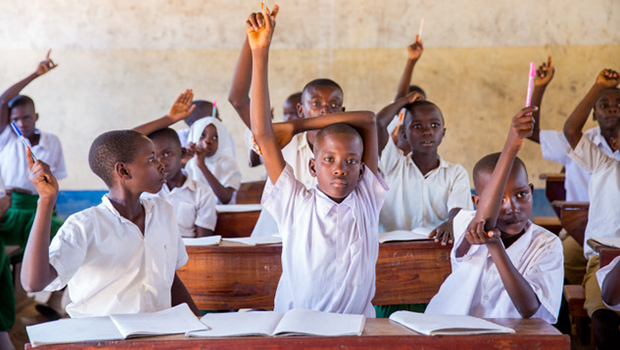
x,y
7,303
604,212
425,190
193,201
117,257
329,234
503,266
200,109
214,163
20,109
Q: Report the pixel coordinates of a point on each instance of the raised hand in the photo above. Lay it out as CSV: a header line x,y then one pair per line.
x,y
477,235
42,178
259,28
608,78
182,106
46,65
521,127
413,97
544,73
415,50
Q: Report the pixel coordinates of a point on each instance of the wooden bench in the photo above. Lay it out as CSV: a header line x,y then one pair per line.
x,y
236,220
573,218
554,188
250,192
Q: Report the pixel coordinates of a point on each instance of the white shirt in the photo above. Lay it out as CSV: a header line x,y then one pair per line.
x,y
2,190
14,164
602,273
110,267
604,212
417,200
329,250
194,205
475,287
554,147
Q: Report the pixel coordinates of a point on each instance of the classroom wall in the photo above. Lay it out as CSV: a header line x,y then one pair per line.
x,y
123,62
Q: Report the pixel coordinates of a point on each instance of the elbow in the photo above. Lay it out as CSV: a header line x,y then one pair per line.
x,y
29,286
528,312
236,101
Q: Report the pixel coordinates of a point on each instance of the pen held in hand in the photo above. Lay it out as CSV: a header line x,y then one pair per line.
x,y
421,27
25,142
530,84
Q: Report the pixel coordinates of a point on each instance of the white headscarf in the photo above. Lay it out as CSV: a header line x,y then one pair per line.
x,y
222,164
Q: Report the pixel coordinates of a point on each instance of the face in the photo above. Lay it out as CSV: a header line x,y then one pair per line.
x,y
320,100
424,129
169,154
209,140
516,205
338,165
289,109
146,172
607,109
25,119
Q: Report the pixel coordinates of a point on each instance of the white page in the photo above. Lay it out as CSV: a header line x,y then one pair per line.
x,y
178,319
73,330
237,208
416,234
235,324
309,322
260,240
202,241
610,241
430,324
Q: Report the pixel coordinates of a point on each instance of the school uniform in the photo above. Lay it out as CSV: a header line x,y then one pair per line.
x,y
601,275
110,267
7,302
604,212
329,250
475,287
420,200
194,205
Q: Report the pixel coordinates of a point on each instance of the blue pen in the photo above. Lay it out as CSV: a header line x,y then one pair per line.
x,y
21,137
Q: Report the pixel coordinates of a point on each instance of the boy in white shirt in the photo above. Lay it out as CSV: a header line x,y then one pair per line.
x,y
329,235
193,201
120,256
604,187
503,265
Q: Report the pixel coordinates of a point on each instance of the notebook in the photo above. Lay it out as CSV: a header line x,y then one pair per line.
x,y
429,324
260,240
202,241
420,233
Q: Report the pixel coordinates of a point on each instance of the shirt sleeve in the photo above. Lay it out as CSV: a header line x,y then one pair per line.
x,y
460,194
373,190
390,157
459,224
590,157
206,215
57,159
602,273
67,251
230,174
182,256
554,146
279,199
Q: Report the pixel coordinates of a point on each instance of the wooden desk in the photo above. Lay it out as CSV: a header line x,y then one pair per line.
x,y
378,334
231,224
234,276
250,192
606,253
554,188
574,218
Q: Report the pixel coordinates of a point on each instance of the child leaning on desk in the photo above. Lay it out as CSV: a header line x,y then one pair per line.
x,y
329,235
503,265
120,256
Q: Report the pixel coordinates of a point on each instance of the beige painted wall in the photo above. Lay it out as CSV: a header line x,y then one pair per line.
x,y
123,62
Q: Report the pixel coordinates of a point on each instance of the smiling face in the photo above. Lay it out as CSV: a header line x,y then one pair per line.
x,y
424,128
338,164
209,140
25,119
169,154
607,109
147,173
516,206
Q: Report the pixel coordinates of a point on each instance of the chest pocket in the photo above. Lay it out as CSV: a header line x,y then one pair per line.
x,y
185,214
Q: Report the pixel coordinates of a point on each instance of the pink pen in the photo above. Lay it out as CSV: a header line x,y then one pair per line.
x,y
530,84
421,27
214,110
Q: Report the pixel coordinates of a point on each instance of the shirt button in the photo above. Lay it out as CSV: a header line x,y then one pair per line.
x,y
486,297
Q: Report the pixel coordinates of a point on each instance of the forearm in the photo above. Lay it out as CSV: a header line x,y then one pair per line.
x,y
240,87
180,295
36,271
611,286
203,232
521,293
357,119
155,125
8,95
576,121
537,97
224,194
405,79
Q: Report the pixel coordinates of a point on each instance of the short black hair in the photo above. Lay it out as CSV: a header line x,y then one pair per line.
x,y
166,133
421,103
488,163
417,89
322,82
594,107
21,100
338,128
109,148
201,105
295,96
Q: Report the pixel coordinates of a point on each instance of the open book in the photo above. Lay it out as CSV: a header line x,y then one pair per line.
x,y
270,323
237,208
260,240
420,233
202,241
613,242
179,319
447,324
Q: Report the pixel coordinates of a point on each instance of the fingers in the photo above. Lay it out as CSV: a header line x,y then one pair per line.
x,y
191,109
268,19
494,233
275,11
29,157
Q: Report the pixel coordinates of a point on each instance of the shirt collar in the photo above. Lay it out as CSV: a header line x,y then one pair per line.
x,y
324,204
146,202
302,141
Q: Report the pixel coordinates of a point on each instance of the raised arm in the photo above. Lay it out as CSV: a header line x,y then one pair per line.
x,y
37,272
238,96
414,51
180,109
43,67
544,75
385,116
573,127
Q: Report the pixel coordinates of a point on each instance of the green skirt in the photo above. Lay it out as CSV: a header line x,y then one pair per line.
x,y
384,311
7,297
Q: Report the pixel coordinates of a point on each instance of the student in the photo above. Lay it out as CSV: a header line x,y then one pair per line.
x,y
19,109
120,256
200,109
604,187
7,302
503,265
193,201
425,190
214,163
329,234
